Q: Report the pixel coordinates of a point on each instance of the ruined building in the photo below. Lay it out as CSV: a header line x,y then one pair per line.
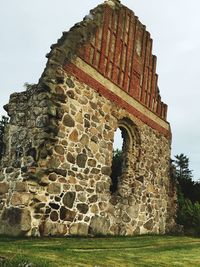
x,y
55,174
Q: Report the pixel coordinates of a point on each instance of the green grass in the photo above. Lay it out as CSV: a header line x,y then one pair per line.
x,y
156,251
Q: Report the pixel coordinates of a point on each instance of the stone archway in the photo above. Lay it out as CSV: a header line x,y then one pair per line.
x,y
123,161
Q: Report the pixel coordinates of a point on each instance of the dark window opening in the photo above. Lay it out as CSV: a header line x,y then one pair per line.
x,y
126,152
117,161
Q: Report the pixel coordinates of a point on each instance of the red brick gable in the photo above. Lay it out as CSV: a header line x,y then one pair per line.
x,y
121,50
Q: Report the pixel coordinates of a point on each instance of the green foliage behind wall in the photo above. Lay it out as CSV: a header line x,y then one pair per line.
x,y
188,192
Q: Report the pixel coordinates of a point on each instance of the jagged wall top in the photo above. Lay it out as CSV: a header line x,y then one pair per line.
x,y
112,40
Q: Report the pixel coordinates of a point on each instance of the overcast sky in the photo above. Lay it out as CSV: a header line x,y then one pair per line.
x,y
29,27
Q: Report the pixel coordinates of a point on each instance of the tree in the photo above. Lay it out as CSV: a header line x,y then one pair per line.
x,y
188,193
3,122
184,177
182,167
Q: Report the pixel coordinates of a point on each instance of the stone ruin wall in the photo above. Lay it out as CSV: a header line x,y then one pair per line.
x,y
55,175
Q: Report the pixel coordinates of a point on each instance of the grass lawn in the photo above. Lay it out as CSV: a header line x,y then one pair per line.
x,y
101,252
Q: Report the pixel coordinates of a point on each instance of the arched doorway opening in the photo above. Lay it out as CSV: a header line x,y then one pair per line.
x,y
126,151
120,156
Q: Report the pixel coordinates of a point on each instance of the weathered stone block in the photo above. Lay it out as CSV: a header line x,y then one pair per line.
x,y
79,229
70,83
20,199
12,216
79,118
54,205
94,209
21,187
81,160
68,199
25,220
133,211
59,90
42,121
15,221
99,225
2,177
67,215
54,216
68,121
70,158
149,224
60,150
39,198
84,139
92,163
95,171
81,196
9,170
106,170
74,136
83,208
4,188
49,228
126,218
22,134
44,180
54,188
70,94
53,162
53,177
100,187
51,109
93,199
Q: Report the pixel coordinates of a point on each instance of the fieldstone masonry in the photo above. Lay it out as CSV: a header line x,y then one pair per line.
x,y
55,172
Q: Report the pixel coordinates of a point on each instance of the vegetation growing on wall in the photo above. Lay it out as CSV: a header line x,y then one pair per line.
x,y
30,86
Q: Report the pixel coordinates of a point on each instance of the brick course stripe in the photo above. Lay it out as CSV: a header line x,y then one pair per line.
x,y
85,73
